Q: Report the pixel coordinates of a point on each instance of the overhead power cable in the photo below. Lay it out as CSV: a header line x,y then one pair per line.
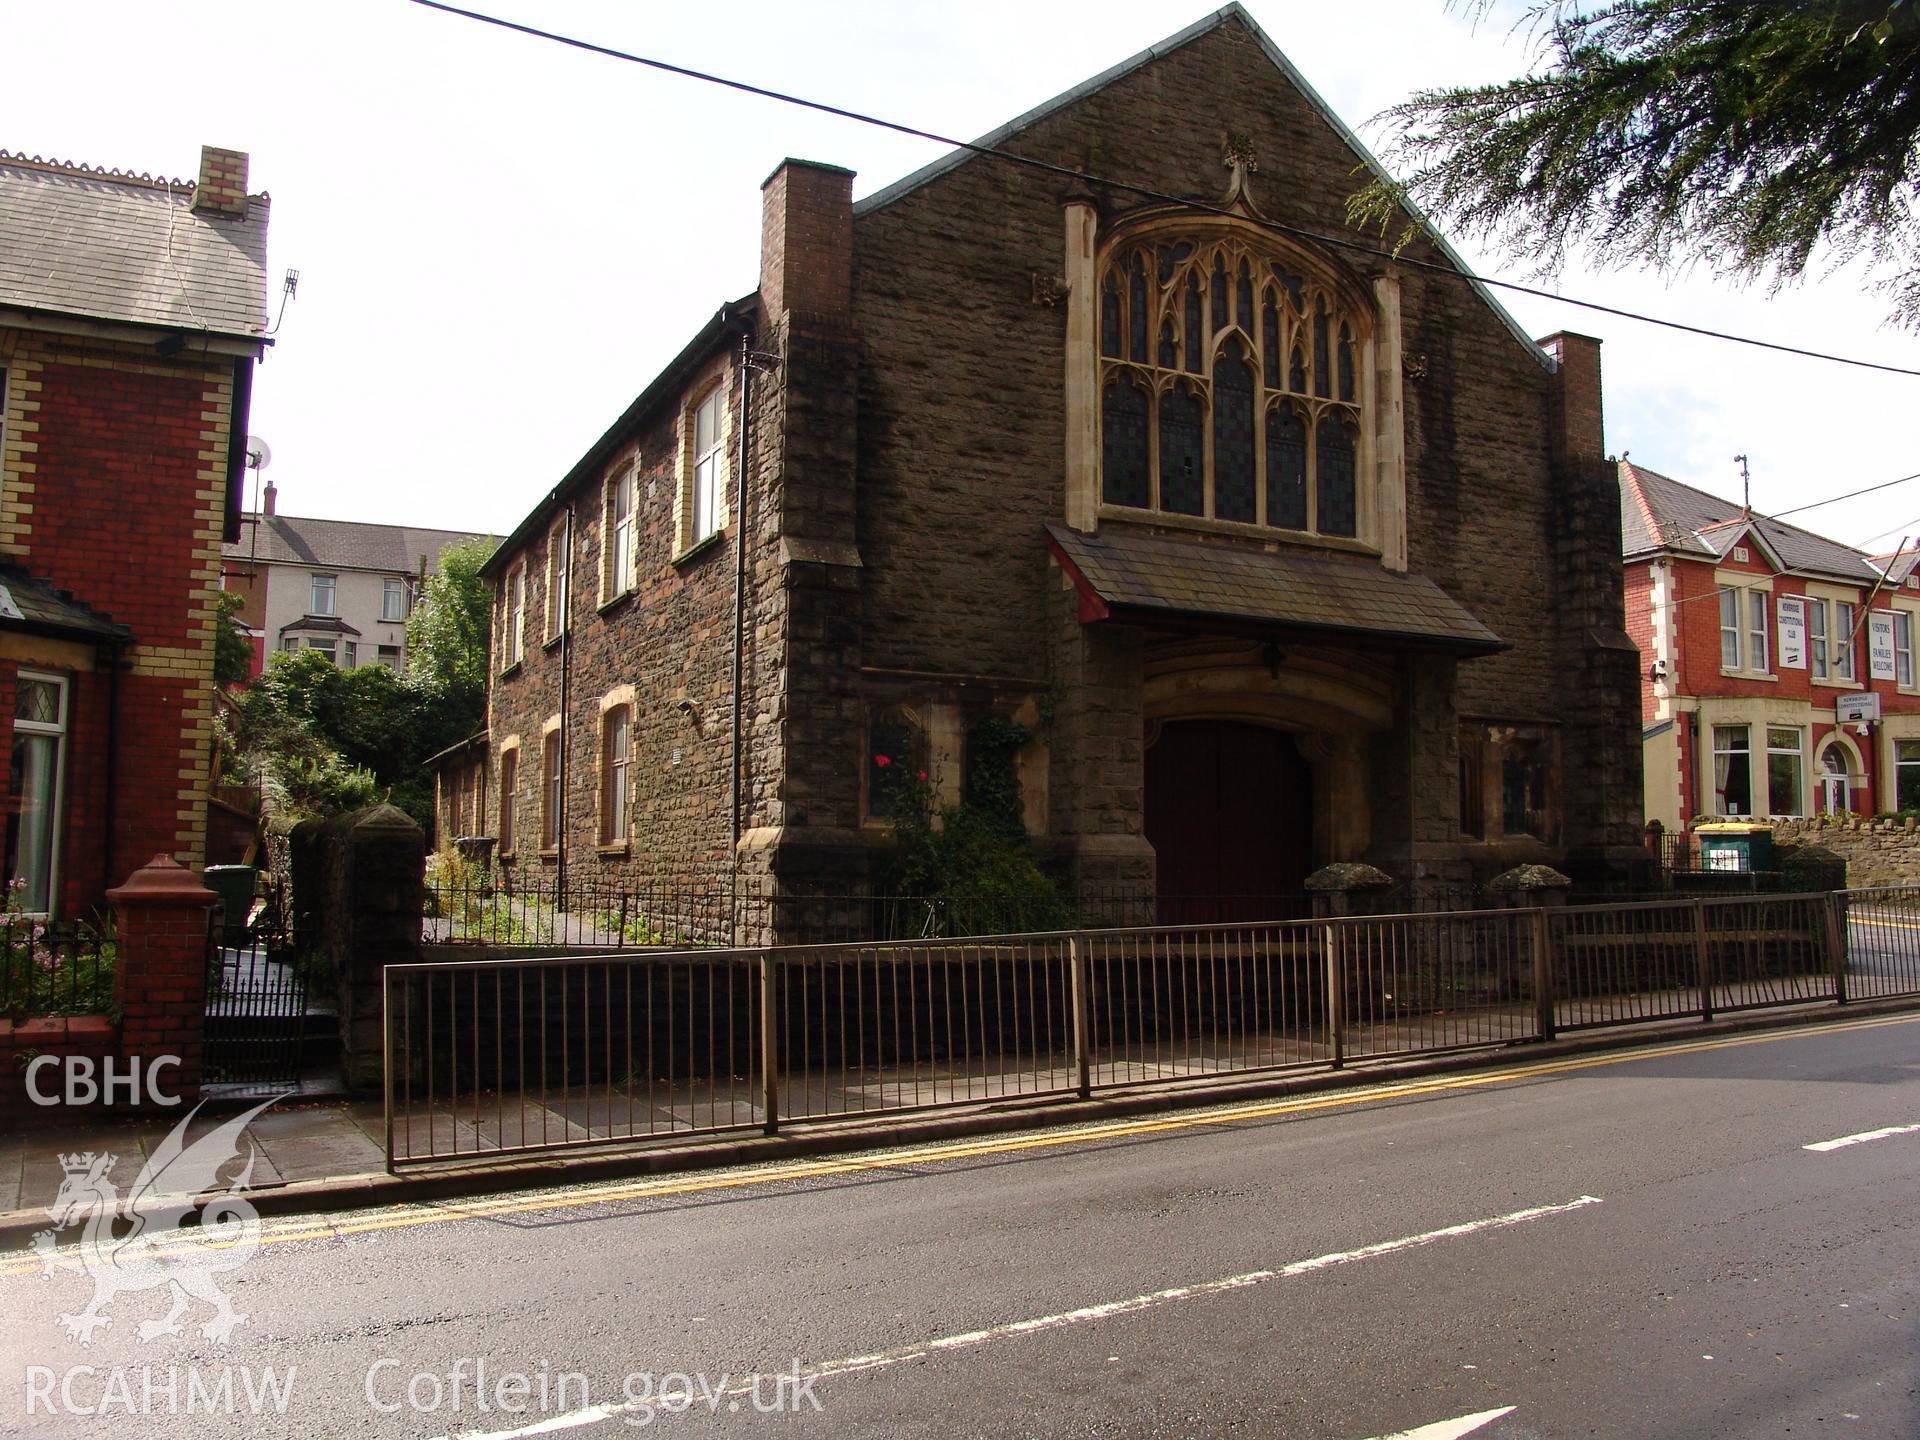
x,y
1146,191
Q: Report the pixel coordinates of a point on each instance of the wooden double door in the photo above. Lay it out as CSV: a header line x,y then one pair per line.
x,y
1230,818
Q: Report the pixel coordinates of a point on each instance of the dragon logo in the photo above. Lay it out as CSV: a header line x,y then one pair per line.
x,y
143,1242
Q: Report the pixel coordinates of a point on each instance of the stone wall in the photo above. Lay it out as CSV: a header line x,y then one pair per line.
x,y
1875,852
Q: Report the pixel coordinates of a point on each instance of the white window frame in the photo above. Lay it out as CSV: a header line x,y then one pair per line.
x,y
1744,749
1903,649
317,582
349,654
1799,752
1844,613
616,776
1901,762
552,799
390,590
327,648
706,466
620,535
1744,645
515,617
558,576
57,821
389,656
507,817
1819,618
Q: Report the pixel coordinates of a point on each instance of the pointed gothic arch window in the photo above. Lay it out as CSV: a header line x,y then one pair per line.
x,y
1230,382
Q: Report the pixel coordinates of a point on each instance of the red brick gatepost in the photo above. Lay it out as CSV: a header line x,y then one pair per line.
x,y
160,978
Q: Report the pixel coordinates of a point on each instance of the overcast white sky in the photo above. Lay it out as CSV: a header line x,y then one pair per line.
x,y
500,241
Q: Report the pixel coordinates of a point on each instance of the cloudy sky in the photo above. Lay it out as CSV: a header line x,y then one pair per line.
x,y
501,240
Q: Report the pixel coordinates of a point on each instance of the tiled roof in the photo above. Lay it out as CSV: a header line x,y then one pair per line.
x,y
1143,573
319,624
33,605
1657,513
108,246
340,544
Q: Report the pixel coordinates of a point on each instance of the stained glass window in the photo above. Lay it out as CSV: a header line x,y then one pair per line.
x,y
1182,456
1200,339
1233,462
1196,326
1322,370
1123,452
1286,469
1137,310
1333,464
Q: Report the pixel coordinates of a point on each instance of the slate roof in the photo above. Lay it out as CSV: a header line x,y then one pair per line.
x,y
31,604
128,248
340,544
1144,574
1658,513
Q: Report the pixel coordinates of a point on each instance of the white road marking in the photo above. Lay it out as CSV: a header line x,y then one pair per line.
x,y
1862,1138
885,1359
1451,1429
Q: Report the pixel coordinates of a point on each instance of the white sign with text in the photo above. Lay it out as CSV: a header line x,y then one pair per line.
x,y
1880,644
1793,632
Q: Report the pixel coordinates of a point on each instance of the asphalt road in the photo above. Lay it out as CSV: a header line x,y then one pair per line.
x,y
1619,1245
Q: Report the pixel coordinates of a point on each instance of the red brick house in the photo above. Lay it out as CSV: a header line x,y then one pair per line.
x,y
1286,554
132,310
1777,666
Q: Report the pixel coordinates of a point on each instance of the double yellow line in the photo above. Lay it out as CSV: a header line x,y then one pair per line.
x,y
303,1229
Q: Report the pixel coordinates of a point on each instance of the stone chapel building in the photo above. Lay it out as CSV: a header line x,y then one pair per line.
x,y
1288,552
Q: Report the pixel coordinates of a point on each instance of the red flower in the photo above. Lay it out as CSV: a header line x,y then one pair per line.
x,y
882,761
923,774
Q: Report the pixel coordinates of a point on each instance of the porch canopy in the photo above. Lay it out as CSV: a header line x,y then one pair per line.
x,y
1137,577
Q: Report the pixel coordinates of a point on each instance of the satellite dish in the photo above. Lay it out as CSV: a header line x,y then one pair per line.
x,y
259,455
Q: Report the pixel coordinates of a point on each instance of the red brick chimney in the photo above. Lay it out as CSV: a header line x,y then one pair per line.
x,y
266,505
1574,413
806,243
222,187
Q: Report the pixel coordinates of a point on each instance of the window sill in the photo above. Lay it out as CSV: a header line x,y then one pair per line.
x,y
1848,685
1303,539
614,602
549,857
698,548
1752,675
550,642
514,669
614,852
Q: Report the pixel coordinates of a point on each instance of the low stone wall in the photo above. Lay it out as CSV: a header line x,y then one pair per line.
x,y
1883,852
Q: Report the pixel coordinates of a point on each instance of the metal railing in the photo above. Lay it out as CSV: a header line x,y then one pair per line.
x,y
492,1057
54,970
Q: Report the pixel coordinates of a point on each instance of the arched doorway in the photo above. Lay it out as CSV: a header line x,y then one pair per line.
x,y
1230,817
1834,796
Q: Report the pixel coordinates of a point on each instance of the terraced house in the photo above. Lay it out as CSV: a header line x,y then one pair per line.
x,y
1778,675
132,311
1286,550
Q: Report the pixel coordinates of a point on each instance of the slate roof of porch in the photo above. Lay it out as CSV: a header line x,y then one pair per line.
x,y
1137,575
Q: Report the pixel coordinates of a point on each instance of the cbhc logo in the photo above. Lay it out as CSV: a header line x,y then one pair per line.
x,y
106,1082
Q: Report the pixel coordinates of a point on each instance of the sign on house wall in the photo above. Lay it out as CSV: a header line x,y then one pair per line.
x,y
1793,632
1853,709
1880,644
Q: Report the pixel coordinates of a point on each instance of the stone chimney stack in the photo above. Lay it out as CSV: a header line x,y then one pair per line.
x,y
806,244
222,187
1575,413
266,505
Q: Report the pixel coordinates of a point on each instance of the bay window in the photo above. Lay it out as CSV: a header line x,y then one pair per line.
x,y
1732,772
35,824
1784,747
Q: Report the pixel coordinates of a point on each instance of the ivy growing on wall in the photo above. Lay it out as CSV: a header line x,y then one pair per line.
x,y
972,861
